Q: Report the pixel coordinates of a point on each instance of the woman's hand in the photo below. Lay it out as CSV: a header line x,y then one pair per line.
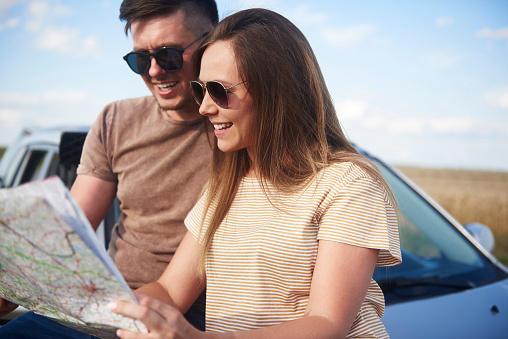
x,y
161,320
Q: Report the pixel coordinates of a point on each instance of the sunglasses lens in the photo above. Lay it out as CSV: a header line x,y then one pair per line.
x,y
197,91
218,93
139,63
169,59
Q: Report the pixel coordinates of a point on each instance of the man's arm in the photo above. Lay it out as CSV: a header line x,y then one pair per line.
x,y
94,196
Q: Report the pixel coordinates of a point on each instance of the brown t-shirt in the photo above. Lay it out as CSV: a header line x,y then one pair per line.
x,y
161,166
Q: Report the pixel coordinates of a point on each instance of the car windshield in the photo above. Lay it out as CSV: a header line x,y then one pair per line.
x,y
436,258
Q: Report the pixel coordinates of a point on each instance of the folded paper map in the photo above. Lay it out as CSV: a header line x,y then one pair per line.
x,y
52,263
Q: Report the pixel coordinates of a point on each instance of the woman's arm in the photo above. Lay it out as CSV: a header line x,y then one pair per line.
x,y
339,285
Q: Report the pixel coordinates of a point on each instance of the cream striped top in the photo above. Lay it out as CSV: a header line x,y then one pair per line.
x,y
259,268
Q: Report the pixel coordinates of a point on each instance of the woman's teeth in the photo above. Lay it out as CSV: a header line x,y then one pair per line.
x,y
222,126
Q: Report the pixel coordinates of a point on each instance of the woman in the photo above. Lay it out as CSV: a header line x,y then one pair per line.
x,y
293,220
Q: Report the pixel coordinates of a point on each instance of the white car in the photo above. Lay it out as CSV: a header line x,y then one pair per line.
x,y
448,285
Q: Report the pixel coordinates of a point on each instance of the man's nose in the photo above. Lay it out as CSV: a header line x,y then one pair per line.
x,y
155,69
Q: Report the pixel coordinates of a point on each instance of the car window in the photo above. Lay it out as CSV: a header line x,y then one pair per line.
x,y
38,163
436,257
33,166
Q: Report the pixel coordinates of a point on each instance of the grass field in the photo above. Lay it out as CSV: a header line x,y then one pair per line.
x,y
470,196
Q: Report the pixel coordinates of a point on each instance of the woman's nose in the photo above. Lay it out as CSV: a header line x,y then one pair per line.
x,y
208,106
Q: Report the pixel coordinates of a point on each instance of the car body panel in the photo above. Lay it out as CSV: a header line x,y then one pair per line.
x,y
481,312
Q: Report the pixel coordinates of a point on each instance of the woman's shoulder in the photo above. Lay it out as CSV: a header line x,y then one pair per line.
x,y
341,175
345,170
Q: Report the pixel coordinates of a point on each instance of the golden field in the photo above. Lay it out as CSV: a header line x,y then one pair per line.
x,y
469,196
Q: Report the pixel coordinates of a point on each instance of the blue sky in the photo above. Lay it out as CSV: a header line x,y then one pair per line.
x,y
421,83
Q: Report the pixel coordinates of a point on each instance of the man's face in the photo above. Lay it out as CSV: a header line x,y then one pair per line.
x,y
171,89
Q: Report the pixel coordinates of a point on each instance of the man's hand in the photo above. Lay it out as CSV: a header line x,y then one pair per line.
x,y
6,307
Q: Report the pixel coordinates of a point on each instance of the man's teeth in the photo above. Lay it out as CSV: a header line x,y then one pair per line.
x,y
166,86
222,126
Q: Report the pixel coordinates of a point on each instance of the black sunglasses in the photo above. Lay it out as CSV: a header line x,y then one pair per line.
x,y
217,91
169,59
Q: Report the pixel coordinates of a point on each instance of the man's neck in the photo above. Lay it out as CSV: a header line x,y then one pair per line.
x,y
182,115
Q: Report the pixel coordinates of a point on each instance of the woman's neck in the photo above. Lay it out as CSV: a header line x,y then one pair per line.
x,y
253,171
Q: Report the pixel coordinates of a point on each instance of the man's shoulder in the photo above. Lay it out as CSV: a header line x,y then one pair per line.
x,y
128,110
145,102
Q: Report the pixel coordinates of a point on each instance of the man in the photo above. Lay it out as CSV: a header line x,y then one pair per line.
x,y
152,153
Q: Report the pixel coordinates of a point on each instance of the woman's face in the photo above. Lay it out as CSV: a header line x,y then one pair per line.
x,y
233,125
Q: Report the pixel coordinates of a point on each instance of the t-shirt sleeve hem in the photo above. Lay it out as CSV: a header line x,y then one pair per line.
x,y
95,172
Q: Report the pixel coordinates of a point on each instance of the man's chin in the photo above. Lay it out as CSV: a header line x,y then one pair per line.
x,y
170,105
180,107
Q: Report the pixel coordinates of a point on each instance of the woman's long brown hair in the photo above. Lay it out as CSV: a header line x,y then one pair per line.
x,y
297,132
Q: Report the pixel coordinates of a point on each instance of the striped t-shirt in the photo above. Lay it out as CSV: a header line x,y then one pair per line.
x,y
259,268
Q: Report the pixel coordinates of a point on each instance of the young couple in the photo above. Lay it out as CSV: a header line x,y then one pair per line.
x,y
293,220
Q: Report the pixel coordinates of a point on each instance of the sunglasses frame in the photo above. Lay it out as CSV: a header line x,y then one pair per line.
x,y
205,89
180,52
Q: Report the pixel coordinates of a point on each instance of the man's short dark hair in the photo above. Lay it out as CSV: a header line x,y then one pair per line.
x,y
195,11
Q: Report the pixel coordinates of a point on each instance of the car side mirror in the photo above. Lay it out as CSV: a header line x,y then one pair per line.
x,y
482,234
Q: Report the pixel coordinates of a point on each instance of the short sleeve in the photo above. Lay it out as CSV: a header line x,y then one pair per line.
x,y
94,158
194,219
358,212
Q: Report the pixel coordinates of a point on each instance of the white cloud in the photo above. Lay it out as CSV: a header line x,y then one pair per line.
x,y
407,125
47,97
60,39
347,37
5,5
497,97
439,60
258,3
16,98
303,15
7,22
10,116
451,124
64,96
444,21
41,15
38,11
375,121
501,33
67,40
351,110
10,23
